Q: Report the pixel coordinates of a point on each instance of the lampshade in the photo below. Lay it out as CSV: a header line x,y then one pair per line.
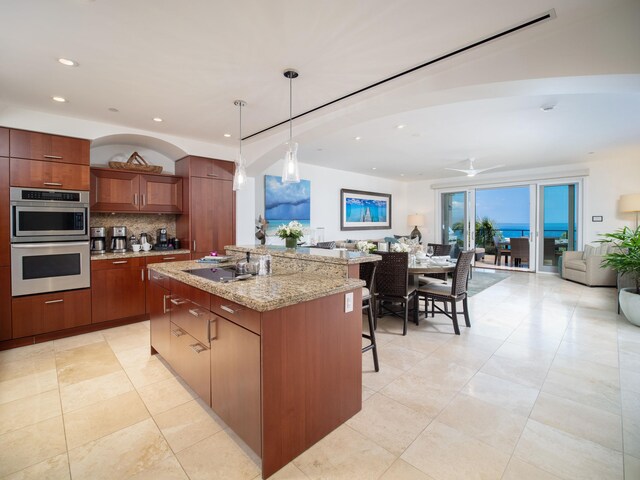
x,y
630,202
416,220
240,174
290,171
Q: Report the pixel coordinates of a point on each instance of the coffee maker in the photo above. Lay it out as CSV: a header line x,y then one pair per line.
x,y
162,240
118,239
98,239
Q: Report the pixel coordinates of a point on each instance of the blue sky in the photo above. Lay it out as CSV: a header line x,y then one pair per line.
x,y
511,205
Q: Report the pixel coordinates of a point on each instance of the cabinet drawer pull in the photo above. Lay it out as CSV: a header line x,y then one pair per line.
x,y
164,303
194,245
177,333
195,312
196,347
212,175
54,157
157,277
120,262
142,275
135,198
164,259
229,309
142,199
52,184
60,300
178,301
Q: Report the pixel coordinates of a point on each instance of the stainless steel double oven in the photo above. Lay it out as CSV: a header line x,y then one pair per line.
x,y
49,240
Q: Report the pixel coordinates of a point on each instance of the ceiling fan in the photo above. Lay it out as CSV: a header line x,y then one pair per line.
x,y
471,171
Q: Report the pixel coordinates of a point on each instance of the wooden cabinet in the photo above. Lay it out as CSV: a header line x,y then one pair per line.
x,y
35,314
53,148
190,359
5,303
4,142
44,174
173,257
211,168
208,222
116,191
235,379
5,234
159,315
117,289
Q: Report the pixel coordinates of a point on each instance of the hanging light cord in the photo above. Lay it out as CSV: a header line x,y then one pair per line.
x,y
240,132
290,110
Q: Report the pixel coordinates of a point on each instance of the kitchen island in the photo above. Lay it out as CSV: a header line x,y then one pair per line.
x,y
278,357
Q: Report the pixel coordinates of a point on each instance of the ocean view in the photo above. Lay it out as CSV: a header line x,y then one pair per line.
x,y
551,230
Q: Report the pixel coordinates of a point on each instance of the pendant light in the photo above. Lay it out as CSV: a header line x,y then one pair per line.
x,y
290,173
240,175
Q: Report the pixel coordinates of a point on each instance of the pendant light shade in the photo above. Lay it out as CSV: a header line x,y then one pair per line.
x,y
240,174
290,171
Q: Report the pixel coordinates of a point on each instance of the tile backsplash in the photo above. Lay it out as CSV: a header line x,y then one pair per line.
x,y
136,223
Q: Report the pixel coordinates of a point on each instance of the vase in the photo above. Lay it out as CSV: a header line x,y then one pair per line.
x,y
291,242
630,305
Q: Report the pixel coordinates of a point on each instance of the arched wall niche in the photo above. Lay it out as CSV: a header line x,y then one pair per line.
x,y
154,150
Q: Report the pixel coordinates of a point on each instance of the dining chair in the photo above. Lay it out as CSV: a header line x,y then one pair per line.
x,y
519,251
392,286
440,249
500,252
368,274
449,294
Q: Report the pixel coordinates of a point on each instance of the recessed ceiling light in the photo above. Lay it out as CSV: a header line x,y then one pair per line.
x,y
357,138
373,168
59,99
157,119
68,62
400,127
113,109
402,174
226,135
547,108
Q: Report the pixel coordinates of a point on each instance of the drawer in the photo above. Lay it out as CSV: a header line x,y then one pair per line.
x,y
191,359
191,317
172,257
182,291
238,314
117,263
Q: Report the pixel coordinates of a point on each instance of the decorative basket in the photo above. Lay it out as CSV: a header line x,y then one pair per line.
x,y
135,163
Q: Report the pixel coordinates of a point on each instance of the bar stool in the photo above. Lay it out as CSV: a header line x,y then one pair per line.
x,y
368,274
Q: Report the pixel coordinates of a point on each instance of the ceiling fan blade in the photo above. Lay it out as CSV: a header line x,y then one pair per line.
x,y
479,170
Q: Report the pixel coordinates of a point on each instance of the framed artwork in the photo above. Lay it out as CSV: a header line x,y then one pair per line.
x,y
286,202
364,210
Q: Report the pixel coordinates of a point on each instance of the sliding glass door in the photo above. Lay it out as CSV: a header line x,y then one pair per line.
x,y
456,223
558,215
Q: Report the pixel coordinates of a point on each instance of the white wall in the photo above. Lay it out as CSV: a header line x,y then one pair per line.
x,y
325,200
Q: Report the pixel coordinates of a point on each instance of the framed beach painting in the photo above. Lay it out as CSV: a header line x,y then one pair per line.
x,y
286,202
364,210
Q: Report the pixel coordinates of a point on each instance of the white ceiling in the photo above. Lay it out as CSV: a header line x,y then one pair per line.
x,y
187,61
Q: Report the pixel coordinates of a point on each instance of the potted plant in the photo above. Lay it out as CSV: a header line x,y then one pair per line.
x,y
291,233
626,260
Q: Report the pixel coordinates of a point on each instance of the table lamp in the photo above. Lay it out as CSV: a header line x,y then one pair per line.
x,y
630,203
417,221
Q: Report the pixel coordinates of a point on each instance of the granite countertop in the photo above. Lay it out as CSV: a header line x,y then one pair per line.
x,y
261,293
129,254
340,257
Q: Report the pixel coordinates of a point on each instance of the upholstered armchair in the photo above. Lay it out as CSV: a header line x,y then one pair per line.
x,y
586,267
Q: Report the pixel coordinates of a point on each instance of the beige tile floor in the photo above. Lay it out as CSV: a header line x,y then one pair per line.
x,y
545,385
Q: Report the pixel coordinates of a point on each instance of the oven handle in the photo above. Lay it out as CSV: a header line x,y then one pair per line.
x,y
41,245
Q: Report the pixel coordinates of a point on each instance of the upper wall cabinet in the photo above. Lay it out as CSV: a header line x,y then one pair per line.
x,y
45,174
117,191
54,148
209,168
4,142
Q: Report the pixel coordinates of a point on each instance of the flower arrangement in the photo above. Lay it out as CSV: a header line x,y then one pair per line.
x,y
366,246
400,247
291,233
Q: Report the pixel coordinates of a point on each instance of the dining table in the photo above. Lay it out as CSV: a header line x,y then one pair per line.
x,y
419,267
